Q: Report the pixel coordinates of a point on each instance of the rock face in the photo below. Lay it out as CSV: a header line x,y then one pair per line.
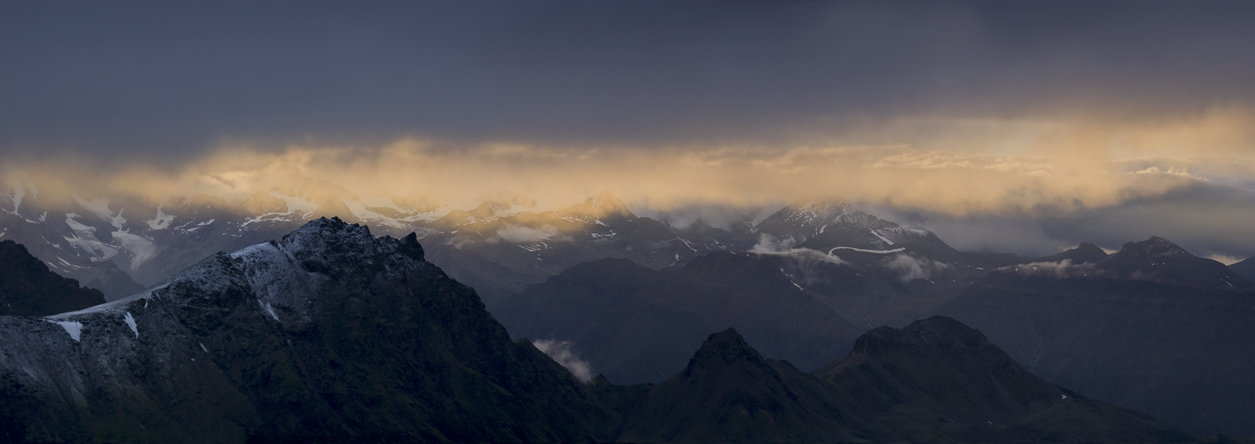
x,y
1152,328
29,288
330,333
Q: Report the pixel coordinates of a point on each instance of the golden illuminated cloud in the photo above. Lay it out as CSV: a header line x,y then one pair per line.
x,y
957,167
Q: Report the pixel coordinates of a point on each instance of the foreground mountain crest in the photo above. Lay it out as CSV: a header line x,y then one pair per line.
x,y
327,333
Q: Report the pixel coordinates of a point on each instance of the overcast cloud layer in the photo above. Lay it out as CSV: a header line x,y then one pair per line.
x,y
1098,121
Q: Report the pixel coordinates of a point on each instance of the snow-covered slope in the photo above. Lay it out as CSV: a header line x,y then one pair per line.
x,y
836,223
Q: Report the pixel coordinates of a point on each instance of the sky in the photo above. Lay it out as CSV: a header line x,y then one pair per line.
x,y
1003,126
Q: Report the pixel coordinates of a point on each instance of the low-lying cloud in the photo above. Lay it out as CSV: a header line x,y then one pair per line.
x,y
520,235
911,268
805,257
560,351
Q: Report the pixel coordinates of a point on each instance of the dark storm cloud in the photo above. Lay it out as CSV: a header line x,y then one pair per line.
x,y
166,81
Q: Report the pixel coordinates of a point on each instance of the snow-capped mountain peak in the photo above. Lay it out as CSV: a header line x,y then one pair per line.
x,y
806,219
600,207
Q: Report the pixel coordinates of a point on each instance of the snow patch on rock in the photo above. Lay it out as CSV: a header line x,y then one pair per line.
x,y
75,329
161,222
130,322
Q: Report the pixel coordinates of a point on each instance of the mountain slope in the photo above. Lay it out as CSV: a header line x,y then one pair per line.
x,y
935,380
728,392
634,324
938,379
28,288
330,333
1167,334
1245,268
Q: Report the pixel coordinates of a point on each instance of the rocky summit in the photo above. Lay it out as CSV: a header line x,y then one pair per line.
x,y
329,333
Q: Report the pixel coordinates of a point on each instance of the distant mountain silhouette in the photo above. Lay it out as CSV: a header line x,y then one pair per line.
x,y
1086,253
935,380
1150,327
29,288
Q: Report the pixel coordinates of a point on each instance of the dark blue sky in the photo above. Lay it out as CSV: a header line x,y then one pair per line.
x,y
168,80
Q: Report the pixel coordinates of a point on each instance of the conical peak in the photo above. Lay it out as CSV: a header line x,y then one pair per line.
x,y
1087,247
319,237
1154,247
723,348
938,333
808,218
944,331
606,201
1086,253
599,206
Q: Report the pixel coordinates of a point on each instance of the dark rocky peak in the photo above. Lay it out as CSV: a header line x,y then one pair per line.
x,y
1158,259
29,288
325,243
724,352
1154,247
604,206
969,387
1086,253
725,347
1246,268
410,247
935,335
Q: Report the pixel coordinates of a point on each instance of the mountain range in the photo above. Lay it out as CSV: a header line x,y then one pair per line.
x,y
1150,327
499,247
332,334
630,297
